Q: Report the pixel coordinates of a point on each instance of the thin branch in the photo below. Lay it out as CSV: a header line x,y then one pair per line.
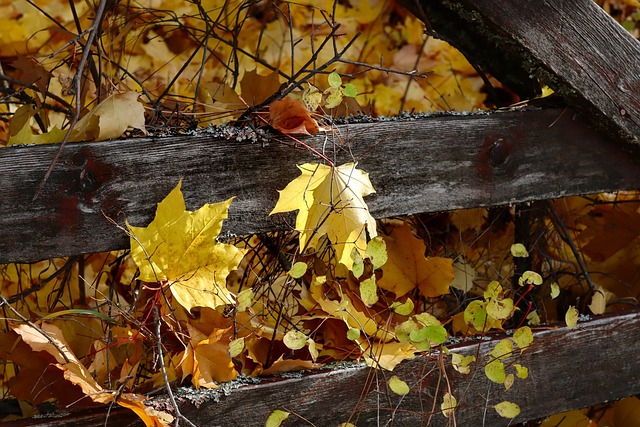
x,y
77,79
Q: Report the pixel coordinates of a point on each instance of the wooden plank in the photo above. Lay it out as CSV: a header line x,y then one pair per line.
x,y
426,165
569,369
571,45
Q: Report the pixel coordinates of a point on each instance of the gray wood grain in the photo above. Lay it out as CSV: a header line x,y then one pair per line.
x,y
571,45
568,369
426,165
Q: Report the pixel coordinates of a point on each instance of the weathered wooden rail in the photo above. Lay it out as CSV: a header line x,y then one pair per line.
x,y
427,165
569,368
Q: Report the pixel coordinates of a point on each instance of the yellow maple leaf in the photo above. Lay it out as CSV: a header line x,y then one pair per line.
x,y
111,118
330,202
179,247
408,268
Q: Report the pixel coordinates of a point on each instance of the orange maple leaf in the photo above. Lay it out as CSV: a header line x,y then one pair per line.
x,y
290,116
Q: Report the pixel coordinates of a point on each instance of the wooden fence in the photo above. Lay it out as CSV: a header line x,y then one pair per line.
x,y
425,165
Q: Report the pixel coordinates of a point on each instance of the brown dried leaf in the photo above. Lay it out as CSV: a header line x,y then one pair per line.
x,y
290,116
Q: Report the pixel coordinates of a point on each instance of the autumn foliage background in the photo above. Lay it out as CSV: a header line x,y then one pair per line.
x,y
169,66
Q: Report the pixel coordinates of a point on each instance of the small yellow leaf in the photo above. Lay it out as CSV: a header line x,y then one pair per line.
x,y
507,409
294,340
276,418
521,371
503,349
398,386
448,405
475,315
244,299
533,318
518,250
494,370
555,290
530,278
461,363
500,308
508,381
236,346
571,317
369,291
358,263
26,136
599,301
377,252
311,98
403,309
298,270
313,351
523,337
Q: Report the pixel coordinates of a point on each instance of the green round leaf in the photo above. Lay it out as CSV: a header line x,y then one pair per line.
x,y
276,418
518,250
369,291
298,270
500,309
294,340
403,309
334,80
494,290
507,409
523,337
353,334
530,277
494,370
377,251
349,90
475,315
404,329
398,386
448,405
503,349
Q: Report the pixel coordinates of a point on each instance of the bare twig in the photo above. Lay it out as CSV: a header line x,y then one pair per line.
x,y
163,369
95,29
564,234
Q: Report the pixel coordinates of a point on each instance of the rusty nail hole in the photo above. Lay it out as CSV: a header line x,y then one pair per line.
x,y
79,160
499,152
623,112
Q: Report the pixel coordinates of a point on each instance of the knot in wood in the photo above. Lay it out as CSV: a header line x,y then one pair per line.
x,y
499,152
